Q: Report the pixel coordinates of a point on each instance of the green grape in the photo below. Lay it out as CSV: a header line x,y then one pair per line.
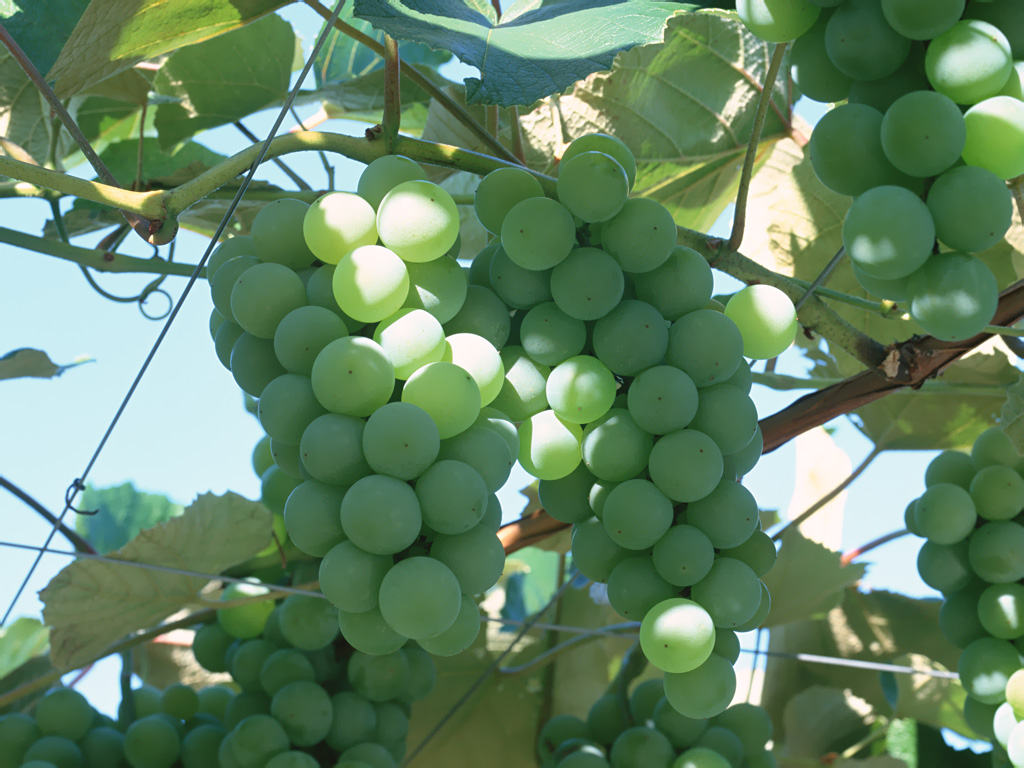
x,y
550,336
953,296
587,285
452,496
641,236
292,759
331,449
476,557
499,191
277,233
448,393
693,450
255,740
677,635
727,645
766,319
565,499
861,43
275,487
320,293
381,514
728,515
592,185
284,667
537,234
222,284
480,359
286,456
606,719
420,597
615,448
254,364
367,755
384,174
411,338
524,391
549,446
951,467
895,290
727,416
880,94
580,390
662,399
422,674
634,587
758,552
969,62
889,232
517,286
923,133
227,335
985,667
641,747
997,492
1015,693
438,286
239,245
494,419
370,283
492,516
736,465
244,621
392,723
682,731
486,451
483,314
594,552
683,556
636,514
680,285
777,21
995,136
811,68
350,578
64,712
730,593
958,616
55,751
479,271
248,661
245,705
302,334
338,223
979,716
151,742
418,220
353,376
993,447
209,645
706,345
308,623
631,338
558,730
644,698
972,208
703,692
602,142
460,635
287,406
368,632
945,513
996,552
922,19
354,721
304,710
401,440
216,321
598,495
846,150
104,746
1001,610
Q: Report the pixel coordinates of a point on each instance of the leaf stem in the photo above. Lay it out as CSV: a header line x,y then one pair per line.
x,y
853,554
1001,330
764,99
392,119
517,134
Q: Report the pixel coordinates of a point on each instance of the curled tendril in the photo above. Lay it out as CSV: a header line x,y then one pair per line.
x,y
140,299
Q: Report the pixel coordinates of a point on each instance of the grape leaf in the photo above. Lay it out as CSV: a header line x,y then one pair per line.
x,y
91,604
515,56
113,35
122,513
20,641
1011,417
34,363
819,720
40,27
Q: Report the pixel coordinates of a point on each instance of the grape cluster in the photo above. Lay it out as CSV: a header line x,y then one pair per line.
x,y
931,128
971,517
646,731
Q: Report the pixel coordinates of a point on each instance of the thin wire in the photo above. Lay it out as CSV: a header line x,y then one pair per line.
x,y
876,666
491,669
79,482
587,631
821,278
154,567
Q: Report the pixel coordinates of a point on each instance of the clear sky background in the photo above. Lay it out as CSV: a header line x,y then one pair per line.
x,y
186,431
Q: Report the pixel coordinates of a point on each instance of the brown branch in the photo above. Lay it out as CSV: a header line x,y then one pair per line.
x,y
529,530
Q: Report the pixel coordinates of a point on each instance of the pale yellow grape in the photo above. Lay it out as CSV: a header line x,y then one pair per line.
x,y
337,223
766,319
412,338
480,359
448,393
418,220
370,283
549,447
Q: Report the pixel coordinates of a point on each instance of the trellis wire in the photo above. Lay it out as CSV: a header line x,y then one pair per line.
x,y
79,483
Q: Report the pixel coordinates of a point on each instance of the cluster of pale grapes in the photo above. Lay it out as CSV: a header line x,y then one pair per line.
x,y
645,731
971,517
930,128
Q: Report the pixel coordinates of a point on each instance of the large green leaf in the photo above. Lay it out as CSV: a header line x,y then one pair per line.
x,y
222,80
819,720
164,168
91,604
113,35
24,113
33,363
122,512
536,48
21,640
41,27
